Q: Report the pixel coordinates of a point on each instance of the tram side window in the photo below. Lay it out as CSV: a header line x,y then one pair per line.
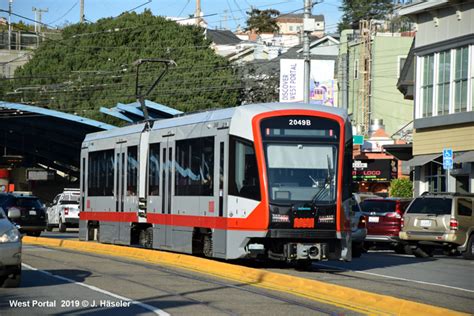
x,y
132,170
243,172
101,173
194,167
154,170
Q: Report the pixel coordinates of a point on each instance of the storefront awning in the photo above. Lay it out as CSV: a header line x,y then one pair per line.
x,y
421,160
400,151
468,156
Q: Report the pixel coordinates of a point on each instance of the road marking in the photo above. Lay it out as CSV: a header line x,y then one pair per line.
x,y
395,278
153,309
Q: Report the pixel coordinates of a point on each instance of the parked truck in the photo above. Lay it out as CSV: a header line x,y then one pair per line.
x,y
64,211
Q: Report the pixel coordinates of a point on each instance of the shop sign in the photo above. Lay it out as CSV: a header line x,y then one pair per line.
x,y
377,170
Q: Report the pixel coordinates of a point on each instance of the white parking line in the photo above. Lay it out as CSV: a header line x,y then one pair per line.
x,y
153,309
395,278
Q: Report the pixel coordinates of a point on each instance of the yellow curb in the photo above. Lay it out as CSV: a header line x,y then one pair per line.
x,y
344,297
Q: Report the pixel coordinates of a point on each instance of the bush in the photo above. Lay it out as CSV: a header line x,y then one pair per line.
x,y
401,188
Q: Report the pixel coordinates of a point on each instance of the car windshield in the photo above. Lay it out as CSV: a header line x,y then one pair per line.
x,y
437,206
301,172
378,207
28,203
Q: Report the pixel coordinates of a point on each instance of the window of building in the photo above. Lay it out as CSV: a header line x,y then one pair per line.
x,y
195,167
243,171
435,176
132,170
427,86
291,28
356,69
101,173
401,64
444,69
464,207
460,79
154,170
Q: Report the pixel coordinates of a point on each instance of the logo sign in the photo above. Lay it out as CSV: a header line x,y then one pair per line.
x,y
447,158
374,170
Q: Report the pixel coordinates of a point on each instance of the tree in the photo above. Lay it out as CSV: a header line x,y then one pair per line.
x,y
262,21
402,187
91,66
356,10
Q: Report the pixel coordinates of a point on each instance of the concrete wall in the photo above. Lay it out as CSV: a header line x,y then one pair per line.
x,y
10,60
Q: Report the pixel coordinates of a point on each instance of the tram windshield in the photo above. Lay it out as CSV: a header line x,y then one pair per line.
x,y
301,172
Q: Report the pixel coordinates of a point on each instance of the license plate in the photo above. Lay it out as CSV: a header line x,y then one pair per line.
x,y
373,219
425,223
32,212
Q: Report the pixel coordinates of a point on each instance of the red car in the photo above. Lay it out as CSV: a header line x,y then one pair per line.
x,y
384,221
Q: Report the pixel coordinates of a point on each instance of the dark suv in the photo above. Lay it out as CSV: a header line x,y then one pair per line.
x,y
384,218
33,216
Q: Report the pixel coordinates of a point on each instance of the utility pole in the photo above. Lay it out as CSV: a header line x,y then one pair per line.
x,y
365,66
38,17
10,2
307,29
197,14
81,17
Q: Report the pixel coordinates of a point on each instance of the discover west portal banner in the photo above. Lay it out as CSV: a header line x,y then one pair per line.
x,y
322,83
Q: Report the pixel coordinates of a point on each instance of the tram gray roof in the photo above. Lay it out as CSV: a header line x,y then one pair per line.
x,y
243,111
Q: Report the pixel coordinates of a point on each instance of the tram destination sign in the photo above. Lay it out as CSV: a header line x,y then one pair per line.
x,y
375,170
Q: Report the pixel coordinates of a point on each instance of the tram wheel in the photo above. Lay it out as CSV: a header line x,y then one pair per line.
x,y
207,245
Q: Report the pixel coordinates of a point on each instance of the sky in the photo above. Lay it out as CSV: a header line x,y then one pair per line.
x,y
61,12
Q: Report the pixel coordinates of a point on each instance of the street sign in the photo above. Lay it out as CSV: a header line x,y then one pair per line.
x,y
447,158
358,139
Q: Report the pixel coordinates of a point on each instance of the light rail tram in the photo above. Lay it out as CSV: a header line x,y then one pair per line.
x,y
263,180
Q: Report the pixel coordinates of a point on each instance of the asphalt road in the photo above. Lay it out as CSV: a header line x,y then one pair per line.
x,y
440,281
56,281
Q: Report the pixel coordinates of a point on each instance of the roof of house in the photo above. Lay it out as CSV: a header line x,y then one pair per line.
x,y
222,37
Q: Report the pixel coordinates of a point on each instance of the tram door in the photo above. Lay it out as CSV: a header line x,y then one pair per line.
x,y
126,199
167,186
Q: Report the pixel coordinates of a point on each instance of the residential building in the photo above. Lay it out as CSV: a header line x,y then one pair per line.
x,y
443,64
387,55
292,24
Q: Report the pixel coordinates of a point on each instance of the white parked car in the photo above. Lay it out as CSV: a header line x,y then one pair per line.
x,y
64,212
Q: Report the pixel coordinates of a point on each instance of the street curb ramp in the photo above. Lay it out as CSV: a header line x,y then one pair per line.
x,y
340,296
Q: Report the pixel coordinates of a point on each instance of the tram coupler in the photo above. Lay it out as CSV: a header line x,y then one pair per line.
x,y
298,251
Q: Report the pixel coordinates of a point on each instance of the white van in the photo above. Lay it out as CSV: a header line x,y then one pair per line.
x,y
64,212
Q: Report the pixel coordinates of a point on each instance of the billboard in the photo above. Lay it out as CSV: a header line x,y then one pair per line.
x,y
323,88
377,170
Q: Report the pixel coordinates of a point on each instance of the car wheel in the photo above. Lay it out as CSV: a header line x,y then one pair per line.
x,y
357,250
49,228
13,280
469,253
408,250
33,234
423,252
399,249
62,226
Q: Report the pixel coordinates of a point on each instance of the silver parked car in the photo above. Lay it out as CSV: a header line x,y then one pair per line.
x,y
10,250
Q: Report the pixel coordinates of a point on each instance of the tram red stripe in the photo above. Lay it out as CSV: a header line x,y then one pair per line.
x,y
175,220
109,216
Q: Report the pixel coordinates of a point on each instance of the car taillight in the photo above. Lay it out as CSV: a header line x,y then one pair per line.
x,y
393,215
362,222
66,211
453,224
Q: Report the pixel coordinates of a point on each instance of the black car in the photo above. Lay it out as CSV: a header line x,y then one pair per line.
x,y
33,215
